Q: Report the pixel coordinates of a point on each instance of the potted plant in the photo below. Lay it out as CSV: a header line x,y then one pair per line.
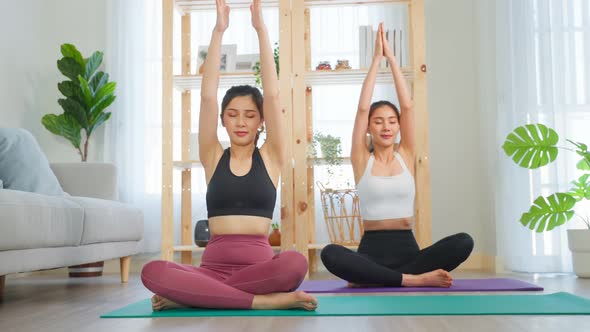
x,y
87,93
331,150
202,56
533,146
256,68
274,239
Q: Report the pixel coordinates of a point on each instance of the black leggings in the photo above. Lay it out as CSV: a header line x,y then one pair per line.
x,y
383,256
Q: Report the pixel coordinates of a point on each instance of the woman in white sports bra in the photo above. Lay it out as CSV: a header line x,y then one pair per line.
x,y
388,254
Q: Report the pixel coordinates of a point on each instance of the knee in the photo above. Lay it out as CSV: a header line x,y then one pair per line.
x,y
465,242
297,263
328,253
152,271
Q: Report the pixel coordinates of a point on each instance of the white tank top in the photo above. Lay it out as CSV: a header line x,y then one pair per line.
x,y
386,197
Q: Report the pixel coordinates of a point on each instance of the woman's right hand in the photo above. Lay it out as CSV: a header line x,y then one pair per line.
x,y
379,43
222,16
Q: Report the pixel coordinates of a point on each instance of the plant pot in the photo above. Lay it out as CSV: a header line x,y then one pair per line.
x,y
86,270
274,239
579,244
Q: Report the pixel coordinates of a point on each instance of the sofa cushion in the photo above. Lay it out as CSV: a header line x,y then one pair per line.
x,y
23,166
31,220
109,221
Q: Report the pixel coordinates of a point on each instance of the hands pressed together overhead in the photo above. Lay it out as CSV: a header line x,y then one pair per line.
x,y
223,15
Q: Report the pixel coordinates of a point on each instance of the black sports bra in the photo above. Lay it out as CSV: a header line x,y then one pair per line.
x,y
253,194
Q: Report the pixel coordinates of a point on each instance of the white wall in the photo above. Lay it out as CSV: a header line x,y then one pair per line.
x,y
32,32
460,186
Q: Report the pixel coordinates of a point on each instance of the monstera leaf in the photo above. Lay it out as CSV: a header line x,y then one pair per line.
x,y
532,146
581,189
549,212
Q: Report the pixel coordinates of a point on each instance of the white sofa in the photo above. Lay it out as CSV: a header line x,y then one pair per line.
x,y
40,231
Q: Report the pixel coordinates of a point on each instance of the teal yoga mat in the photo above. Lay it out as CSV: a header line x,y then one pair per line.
x,y
419,305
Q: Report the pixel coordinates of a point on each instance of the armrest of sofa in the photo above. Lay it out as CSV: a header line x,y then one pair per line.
x,y
96,180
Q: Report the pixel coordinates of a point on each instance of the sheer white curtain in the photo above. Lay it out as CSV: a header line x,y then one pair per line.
x,y
542,48
133,135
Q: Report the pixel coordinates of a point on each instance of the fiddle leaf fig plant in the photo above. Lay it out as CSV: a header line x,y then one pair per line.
x,y
87,93
535,145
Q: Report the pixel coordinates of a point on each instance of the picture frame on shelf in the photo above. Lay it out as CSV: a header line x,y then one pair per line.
x,y
228,57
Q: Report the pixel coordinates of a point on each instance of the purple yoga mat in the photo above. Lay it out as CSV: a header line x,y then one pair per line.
x,y
459,285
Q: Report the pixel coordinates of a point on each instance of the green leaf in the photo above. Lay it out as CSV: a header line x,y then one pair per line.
x,y
549,212
70,68
98,80
68,88
101,105
75,110
70,51
583,165
86,92
107,89
581,189
92,64
63,125
531,146
96,113
99,121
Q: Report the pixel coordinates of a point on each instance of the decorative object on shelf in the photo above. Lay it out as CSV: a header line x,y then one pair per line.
x,y
324,65
202,57
342,64
228,57
535,145
246,62
274,239
330,148
202,233
88,93
342,215
256,68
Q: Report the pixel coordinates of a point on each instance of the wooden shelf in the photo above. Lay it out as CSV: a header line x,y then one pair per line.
x,y
187,6
190,82
314,77
351,76
316,246
187,164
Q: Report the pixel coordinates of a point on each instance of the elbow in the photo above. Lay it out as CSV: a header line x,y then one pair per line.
x,y
407,107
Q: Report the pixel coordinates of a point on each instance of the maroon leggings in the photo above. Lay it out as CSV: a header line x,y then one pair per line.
x,y
234,268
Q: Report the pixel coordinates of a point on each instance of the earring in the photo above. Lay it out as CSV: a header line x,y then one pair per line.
x,y
261,129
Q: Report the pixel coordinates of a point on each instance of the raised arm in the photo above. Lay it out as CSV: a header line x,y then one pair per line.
x,y
359,153
209,146
408,137
275,138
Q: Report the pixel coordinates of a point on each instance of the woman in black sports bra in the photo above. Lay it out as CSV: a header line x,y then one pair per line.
x,y
239,268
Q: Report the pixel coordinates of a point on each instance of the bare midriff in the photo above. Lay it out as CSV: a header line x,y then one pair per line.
x,y
387,224
250,225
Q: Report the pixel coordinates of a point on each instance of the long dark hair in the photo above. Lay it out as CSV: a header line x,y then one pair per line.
x,y
240,91
375,106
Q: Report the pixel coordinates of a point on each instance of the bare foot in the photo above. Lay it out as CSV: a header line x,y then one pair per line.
x,y
437,278
160,303
292,300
